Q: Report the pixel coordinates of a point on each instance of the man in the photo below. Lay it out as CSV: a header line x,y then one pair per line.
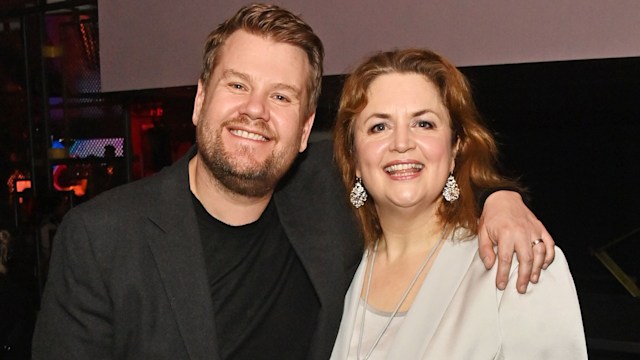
x,y
243,249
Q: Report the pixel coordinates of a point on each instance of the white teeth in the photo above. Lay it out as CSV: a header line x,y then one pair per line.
x,y
248,135
401,167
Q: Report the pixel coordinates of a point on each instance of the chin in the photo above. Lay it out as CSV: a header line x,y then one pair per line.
x,y
409,201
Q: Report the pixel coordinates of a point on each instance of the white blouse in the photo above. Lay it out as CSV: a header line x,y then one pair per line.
x,y
459,313
375,321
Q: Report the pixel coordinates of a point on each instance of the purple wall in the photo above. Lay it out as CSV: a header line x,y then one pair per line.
x,y
157,43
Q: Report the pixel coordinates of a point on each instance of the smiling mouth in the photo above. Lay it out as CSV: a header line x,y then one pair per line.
x,y
403,168
248,135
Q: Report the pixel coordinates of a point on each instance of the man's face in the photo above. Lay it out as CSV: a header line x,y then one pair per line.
x,y
250,121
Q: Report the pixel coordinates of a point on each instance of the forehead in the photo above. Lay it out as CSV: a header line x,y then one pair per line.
x,y
408,89
264,59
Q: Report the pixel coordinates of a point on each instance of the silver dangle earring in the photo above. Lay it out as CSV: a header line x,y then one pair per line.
x,y
451,191
358,194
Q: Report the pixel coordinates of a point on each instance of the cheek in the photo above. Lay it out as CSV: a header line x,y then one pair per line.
x,y
222,103
439,150
288,122
288,133
366,154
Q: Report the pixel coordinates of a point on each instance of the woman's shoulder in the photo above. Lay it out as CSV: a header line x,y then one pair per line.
x,y
549,308
559,267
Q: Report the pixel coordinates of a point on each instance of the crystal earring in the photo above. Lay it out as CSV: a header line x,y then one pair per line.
x,y
358,194
451,191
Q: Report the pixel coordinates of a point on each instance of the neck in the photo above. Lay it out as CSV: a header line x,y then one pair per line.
x,y
224,205
408,234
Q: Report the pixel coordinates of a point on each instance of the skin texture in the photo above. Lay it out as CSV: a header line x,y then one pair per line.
x,y
250,124
516,227
404,125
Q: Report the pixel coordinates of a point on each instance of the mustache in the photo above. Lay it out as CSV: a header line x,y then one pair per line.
x,y
248,124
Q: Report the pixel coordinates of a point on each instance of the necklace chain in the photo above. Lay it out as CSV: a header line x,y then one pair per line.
x,y
402,299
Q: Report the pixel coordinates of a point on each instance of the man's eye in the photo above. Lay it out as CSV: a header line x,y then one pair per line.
x,y
281,98
237,86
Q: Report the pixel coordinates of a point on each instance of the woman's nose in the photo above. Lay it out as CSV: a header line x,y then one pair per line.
x,y
402,139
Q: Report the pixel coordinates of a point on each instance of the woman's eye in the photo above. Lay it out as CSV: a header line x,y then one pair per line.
x,y
424,124
378,127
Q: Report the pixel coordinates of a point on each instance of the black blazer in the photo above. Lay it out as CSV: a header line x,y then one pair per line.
x,y
128,279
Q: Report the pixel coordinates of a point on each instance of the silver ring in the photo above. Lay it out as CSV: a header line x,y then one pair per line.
x,y
536,242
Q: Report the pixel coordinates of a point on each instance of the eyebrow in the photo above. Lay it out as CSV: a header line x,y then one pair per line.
x,y
388,116
295,90
232,73
245,77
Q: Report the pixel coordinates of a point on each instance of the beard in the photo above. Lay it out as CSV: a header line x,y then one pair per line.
x,y
238,171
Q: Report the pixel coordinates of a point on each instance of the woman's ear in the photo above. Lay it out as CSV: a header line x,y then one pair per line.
x,y
457,147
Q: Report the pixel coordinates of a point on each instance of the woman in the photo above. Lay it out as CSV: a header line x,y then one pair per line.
x,y
410,144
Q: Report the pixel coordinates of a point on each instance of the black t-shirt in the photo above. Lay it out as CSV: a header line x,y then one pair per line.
x,y
264,304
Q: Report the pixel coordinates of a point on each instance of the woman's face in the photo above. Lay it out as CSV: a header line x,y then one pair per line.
x,y
403,146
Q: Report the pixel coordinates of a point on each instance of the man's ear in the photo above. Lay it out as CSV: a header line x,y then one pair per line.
x,y
306,131
198,102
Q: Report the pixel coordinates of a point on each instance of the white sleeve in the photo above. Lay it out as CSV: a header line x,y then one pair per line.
x,y
544,323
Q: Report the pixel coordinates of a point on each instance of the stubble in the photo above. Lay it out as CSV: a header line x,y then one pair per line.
x,y
238,171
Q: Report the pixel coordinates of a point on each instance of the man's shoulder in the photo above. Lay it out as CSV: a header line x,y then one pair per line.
x,y
138,195
315,160
320,152
314,169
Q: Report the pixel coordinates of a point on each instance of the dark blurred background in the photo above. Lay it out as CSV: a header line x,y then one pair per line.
x,y
569,130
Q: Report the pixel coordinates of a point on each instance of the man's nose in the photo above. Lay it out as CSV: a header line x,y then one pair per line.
x,y
256,106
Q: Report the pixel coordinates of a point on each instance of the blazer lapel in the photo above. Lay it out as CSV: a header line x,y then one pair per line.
x,y
434,296
177,249
313,211
313,241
